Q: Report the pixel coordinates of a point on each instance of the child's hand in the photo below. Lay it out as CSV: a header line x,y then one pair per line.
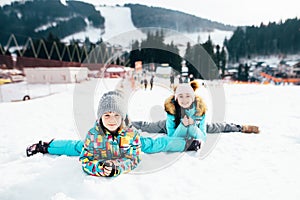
x,y
191,121
185,120
108,166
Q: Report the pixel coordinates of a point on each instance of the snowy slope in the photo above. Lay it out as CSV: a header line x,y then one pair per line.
x,y
241,166
119,29
6,2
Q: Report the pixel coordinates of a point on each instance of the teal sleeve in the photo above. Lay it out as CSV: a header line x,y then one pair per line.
x,y
181,131
170,125
65,147
198,129
202,127
162,144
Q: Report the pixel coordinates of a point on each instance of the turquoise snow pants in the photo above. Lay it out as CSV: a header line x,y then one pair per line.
x,y
149,145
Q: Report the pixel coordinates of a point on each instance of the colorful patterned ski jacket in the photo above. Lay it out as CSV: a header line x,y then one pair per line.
x,y
124,150
196,112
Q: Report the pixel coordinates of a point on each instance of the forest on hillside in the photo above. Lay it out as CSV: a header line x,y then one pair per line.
x,y
274,38
201,59
144,16
38,18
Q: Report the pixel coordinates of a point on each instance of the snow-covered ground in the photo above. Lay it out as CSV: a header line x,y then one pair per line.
x,y
240,166
17,91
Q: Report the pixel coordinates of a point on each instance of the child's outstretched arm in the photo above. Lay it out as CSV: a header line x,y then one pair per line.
x,y
198,129
170,125
180,131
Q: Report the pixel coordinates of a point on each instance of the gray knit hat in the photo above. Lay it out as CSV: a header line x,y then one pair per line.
x,y
112,102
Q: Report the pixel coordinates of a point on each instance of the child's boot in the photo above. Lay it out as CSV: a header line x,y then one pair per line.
x,y
40,147
250,129
193,145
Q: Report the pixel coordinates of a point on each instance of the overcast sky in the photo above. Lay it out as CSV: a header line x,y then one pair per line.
x,y
233,12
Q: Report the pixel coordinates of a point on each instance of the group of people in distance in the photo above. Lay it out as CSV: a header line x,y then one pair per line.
x,y
114,144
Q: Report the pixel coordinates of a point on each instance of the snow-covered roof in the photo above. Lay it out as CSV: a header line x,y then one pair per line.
x,y
115,69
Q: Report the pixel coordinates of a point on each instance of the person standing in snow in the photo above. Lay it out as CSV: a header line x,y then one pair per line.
x,y
145,82
151,82
180,80
172,78
186,79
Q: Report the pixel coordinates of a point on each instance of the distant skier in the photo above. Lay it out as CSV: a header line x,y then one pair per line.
x,y
172,78
145,83
180,79
142,83
186,79
151,82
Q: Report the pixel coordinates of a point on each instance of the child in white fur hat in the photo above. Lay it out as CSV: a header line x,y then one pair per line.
x,y
186,115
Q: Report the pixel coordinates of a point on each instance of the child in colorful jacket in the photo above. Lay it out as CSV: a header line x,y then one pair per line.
x,y
186,114
109,149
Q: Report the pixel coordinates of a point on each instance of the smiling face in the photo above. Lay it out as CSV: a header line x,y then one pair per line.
x,y
111,120
185,100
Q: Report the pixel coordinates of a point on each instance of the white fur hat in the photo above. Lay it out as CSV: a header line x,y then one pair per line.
x,y
184,88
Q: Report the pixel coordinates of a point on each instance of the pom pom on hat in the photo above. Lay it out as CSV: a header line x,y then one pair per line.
x,y
112,102
194,84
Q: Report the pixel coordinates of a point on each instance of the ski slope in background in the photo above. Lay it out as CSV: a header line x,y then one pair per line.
x,y
119,30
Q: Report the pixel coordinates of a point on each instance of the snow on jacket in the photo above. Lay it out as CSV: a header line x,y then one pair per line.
x,y
124,149
196,112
